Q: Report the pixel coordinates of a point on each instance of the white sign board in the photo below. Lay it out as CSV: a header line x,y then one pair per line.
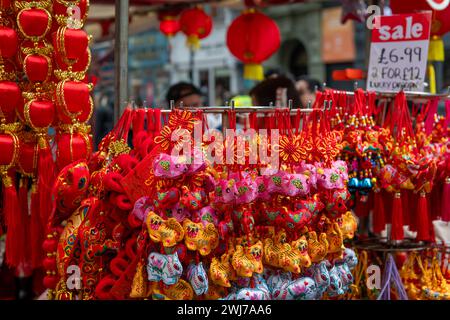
x,y
398,52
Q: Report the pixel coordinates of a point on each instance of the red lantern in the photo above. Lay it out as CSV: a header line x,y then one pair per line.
x,y
9,146
8,42
37,67
252,38
72,147
196,25
169,24
10,95
70,44
73,101
38,114
82,64
28,154
34,23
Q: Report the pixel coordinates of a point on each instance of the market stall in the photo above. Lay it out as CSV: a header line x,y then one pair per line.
x,y
295,204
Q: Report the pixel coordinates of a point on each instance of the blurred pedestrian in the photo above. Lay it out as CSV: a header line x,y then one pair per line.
x,y
306,87
276,90
186,93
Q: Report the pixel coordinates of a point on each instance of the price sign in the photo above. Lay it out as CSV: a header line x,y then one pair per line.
x,y
398,52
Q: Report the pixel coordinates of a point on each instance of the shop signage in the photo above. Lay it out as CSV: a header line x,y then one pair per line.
x,y
398,52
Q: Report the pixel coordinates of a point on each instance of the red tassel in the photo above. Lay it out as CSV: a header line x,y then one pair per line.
x,y
445,206
413,199
12,212
379,215
46,174
405,208
397,217
24,221
362,206
423,219
37,230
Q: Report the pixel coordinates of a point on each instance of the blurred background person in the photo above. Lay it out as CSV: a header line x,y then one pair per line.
x,y
276,91
268,91
306,87
186,93
191,96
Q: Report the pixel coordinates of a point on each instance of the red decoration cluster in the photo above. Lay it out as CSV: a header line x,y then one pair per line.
x,y
44,57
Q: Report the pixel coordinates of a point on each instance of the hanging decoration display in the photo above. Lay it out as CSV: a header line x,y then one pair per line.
x,y
196,25
252,38
43,85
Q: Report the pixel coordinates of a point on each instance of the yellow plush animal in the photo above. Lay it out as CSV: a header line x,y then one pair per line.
x,y
169,232
248,260
335,240
300,246
200,238
348,225
221,271
317,248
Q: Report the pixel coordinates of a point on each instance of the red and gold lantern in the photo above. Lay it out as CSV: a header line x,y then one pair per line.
x,y
10,96
72,147
252,38
8,42
196,25
169,24
73,101
70,44
34,23
37,67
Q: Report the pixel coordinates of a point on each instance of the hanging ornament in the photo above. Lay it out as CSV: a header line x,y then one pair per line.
x,y
252,38
169,23
196,25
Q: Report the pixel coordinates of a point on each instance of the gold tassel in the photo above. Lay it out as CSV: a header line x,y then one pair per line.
x,y
139,286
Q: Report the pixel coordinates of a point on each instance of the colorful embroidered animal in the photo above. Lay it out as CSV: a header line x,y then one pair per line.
x,y
345,274
198,279
262,188
348,225
166,199
192,200
249,260
300,289
335,288
200,238
167,166
317,248
300,246
281,255
226,191
162,267
247,190
179,212
169,232
221,271
206,215
335,240
319,272
181,290
296,185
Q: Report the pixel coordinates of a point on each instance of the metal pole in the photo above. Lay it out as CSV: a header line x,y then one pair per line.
x,y
191,64
121,57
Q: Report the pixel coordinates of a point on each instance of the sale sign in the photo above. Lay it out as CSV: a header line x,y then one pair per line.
x,y
398,52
